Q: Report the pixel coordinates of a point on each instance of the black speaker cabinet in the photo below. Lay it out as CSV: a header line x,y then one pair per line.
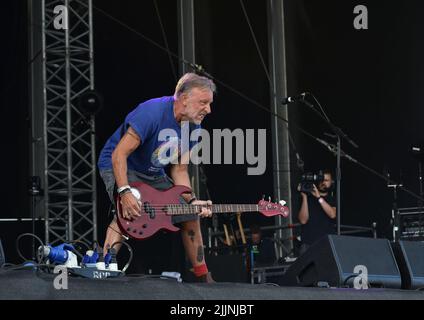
x,y
410,259
333,260
227,268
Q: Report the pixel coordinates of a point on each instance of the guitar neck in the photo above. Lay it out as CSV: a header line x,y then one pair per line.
x,y
176,209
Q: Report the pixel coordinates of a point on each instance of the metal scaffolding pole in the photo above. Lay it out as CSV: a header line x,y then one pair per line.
x,y
280,136
63,147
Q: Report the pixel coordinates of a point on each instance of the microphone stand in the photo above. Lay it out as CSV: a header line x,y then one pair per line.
x,y
395,211
340,134
420,202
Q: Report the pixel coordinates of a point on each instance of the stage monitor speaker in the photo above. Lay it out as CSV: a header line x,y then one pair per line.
x,y
2,257
333,259
410,259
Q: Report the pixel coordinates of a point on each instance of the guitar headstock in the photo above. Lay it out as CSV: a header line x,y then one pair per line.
x,y
270,209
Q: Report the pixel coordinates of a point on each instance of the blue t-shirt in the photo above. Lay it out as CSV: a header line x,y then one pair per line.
x,y
160,134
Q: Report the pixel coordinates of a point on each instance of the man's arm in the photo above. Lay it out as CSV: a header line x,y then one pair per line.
x,y
329,210
179,173
128,143
304,211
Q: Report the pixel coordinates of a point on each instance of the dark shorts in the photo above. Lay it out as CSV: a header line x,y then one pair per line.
x,y
157,182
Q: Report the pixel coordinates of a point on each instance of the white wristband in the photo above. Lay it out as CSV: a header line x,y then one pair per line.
x,y
123,188
320,200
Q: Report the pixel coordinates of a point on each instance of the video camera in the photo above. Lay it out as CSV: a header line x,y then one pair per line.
x,y
309,179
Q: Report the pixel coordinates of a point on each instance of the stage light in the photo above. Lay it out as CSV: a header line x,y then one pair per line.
x,y
90,102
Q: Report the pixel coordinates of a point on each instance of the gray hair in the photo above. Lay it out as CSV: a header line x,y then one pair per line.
x,y
192,80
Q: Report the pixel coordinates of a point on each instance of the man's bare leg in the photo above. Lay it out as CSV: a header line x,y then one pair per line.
x,y
113,234
193,244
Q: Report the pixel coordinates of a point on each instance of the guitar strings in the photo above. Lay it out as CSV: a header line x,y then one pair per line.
x,y
193,209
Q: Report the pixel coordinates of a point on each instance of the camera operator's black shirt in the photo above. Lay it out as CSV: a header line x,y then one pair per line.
x,y
319,223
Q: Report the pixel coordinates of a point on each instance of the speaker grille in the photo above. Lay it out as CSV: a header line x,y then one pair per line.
x,y
353,251
415,253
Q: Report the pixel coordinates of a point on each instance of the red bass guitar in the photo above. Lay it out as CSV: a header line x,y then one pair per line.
x,y
158,207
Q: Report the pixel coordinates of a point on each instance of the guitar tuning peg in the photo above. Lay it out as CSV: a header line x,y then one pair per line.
x,y
282,202
269,199
263,197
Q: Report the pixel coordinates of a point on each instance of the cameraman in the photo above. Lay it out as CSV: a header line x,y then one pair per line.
x,y
317,212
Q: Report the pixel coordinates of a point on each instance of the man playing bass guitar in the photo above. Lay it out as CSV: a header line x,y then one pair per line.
x,y
135,153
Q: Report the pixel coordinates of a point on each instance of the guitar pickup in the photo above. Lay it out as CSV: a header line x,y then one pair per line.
x,y
149,210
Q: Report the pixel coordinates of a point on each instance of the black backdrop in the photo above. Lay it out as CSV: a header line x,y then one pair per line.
x,y
368,81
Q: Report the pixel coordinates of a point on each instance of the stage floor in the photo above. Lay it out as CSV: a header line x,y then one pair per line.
x,y
29,285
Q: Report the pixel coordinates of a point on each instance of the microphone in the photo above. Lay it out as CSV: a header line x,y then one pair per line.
x,y
288,100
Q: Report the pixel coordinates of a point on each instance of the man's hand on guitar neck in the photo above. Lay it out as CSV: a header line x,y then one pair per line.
x,y
180,176
131,207
206,211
